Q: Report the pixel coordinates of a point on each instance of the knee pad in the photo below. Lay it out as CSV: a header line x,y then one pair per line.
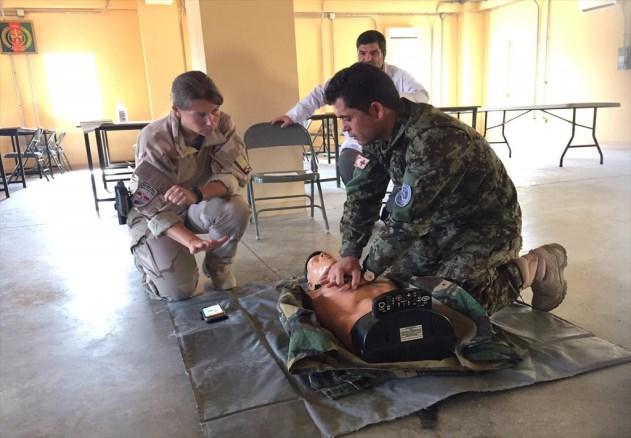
x,y
220,216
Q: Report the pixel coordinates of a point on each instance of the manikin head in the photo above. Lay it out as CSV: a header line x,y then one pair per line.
x,y
196,101
371,48
316,265
366,100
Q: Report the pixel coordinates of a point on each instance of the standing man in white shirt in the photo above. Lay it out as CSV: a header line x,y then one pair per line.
x,y
371,49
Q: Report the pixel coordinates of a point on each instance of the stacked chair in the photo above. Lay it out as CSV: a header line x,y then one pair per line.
x,y
56,152
36,152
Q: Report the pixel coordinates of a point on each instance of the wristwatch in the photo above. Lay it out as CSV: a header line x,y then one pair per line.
x,y
198,193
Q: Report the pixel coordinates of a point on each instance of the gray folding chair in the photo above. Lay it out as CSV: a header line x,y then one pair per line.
x,y
57,153
266,135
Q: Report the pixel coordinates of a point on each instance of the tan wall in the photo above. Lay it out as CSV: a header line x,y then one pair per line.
x,y
471,29
163,49
126,52
76,78
326,32
250,49
579,66
374,7
250,52
309,42
486,53
512,50
582,59
119,53
450,67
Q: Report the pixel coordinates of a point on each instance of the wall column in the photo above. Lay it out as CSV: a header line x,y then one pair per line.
x,y
471,57
250,52
249,49
163,52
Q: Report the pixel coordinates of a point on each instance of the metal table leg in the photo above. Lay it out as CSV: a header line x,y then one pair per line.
x,y
88,153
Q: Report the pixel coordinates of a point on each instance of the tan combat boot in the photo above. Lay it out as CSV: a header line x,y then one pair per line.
x,y
542,270
221,276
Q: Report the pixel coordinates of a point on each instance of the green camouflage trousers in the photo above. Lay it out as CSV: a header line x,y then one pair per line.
x,y
485,270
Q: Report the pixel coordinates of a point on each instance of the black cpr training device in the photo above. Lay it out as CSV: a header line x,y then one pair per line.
x,y
403,327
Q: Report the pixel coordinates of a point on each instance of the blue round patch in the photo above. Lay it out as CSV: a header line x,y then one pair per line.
x,y
404,196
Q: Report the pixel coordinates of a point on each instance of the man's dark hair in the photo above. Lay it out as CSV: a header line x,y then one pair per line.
x,y
194,85
361,84
372,36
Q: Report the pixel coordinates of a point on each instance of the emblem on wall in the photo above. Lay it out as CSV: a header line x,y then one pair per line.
x,y
17,37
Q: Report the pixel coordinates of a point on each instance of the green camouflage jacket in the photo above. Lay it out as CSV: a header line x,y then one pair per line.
x,y
451,180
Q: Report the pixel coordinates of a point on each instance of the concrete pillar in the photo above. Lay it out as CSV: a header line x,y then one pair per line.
x,y
248,48
250,52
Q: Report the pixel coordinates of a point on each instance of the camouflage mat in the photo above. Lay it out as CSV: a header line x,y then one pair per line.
x,y
242,387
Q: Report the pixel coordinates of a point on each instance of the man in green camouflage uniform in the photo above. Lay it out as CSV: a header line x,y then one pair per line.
x,y
456,215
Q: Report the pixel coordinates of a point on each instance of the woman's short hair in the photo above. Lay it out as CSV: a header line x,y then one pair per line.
x,y
194,85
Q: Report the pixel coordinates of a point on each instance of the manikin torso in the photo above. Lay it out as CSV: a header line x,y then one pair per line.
x,y
339,308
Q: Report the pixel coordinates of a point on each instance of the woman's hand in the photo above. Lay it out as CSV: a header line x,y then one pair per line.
x,y
196,244
178,195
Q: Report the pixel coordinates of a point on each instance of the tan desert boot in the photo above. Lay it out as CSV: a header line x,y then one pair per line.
x,y
542,270
221,276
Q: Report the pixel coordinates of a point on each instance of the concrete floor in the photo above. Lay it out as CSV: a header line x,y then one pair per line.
x,y
83,352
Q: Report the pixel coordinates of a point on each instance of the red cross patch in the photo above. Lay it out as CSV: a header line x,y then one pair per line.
x,y
361,162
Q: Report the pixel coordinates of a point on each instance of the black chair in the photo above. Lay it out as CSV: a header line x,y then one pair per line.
x,y
266,135
3,175
33,152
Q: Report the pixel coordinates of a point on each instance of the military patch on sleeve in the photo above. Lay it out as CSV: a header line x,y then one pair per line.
x,y
143,195
403,196
361,162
